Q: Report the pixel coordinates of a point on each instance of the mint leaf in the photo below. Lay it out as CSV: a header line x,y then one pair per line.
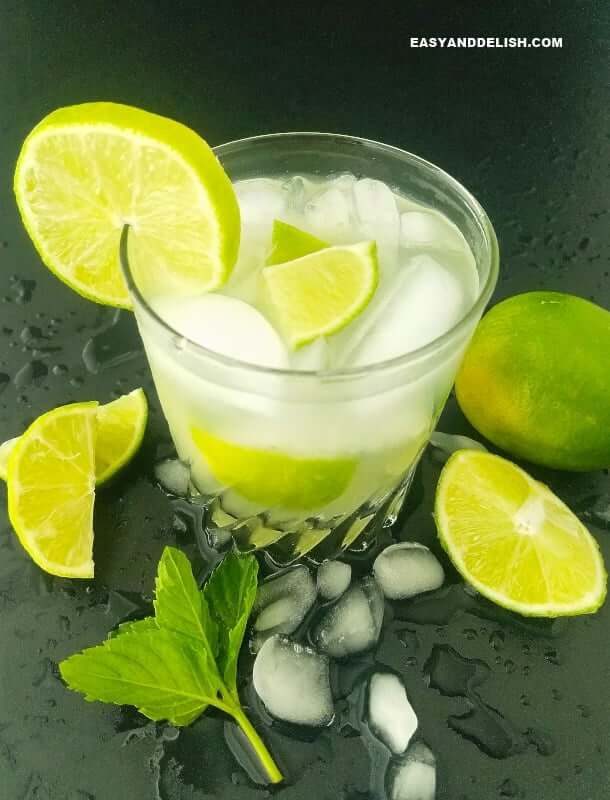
x,y
179,605
174,665
135,626
158,672
230,592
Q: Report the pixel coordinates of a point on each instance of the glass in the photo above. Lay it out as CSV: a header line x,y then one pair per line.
x,y
324,458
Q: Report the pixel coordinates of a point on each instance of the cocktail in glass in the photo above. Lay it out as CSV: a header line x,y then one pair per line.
x,y
312,451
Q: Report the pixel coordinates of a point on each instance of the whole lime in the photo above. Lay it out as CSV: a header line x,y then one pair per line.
x,y
536,380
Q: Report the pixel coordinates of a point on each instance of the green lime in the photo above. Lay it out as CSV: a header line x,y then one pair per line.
x,y
514,541
86,170
535,380
51,489
289,242
274,479
319,294
120,428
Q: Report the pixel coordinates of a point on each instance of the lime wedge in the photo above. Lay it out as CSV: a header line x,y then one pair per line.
x,y
289,242
86,170
319,294
274,479
6,448
513,540
51,489
120,429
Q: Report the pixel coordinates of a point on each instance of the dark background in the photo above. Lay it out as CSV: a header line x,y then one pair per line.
x,y
527,131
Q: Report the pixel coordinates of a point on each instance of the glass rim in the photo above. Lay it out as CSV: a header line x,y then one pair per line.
x,y
350,373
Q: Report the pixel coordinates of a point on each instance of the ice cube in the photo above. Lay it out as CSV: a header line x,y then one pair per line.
x,y
282,602
174,476
329,214
296,194
448,443
353,624
311,358
424,301
225,325
430,228
391,716
261,200
406,569
333,578
413,775
379,218
293,682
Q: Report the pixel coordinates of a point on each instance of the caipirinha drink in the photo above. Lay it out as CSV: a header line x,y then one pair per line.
x,y
302,391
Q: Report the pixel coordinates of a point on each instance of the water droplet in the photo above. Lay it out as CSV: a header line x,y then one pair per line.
x,y
24,290
451,673
488,730
59,369
556,694
509,666
470,634
411,661
30,373
525,670
408,639
508,788
496,640
526,649
542,741
77,381
552,656
524,700
585,711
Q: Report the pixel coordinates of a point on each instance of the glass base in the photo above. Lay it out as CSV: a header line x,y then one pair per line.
x,y
317,538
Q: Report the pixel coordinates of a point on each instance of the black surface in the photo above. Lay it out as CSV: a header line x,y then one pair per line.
x,y
527,131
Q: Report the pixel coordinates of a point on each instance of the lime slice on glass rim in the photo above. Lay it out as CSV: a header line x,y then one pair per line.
x,y
319,294
86,170
120,429
514,541
51,490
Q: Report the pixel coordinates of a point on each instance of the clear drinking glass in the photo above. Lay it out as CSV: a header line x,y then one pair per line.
x,y
323,459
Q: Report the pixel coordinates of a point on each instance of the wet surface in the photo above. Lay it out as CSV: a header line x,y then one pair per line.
x,y
512,708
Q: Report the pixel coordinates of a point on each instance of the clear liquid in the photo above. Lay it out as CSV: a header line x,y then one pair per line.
x,y
286,456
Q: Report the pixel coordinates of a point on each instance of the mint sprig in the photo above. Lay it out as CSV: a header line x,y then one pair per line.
x,y
173,665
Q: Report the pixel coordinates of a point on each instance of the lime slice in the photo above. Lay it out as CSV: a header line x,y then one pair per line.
x,y
513,540
86,170
289,242
51,489
6,448
273,479
321,293
120,429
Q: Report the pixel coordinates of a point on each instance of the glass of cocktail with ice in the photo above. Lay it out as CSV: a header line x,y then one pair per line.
x,y
310,450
